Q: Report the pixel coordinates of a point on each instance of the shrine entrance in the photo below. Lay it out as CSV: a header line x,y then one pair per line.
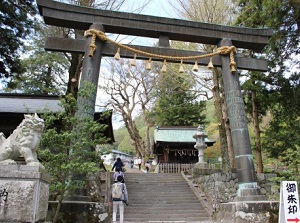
x,y
175,144
96,45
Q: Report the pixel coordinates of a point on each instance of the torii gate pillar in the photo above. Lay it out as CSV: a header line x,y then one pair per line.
x,y
86,106
248,189
90,73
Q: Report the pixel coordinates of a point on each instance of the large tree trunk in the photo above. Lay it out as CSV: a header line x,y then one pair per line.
x,y
222,132
148,145
257,132
228,135
57,210
148,123
76,61
134,135
74,74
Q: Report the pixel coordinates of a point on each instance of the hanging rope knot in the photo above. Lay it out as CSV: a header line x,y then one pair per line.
x,y
229,50
232,67
226,50
93,46
94,33
232,62
101,35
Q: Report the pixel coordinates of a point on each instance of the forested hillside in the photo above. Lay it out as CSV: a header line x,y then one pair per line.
x,y
213,153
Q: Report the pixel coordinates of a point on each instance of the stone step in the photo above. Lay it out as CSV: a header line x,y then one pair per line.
x,y
148,209
149,218
164,216
171,197
169,188
157,183
151,179
152,195
167,177
163,202
161,197
177,214
159,191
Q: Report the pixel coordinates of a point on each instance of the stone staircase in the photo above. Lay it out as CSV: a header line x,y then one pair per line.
x,y
160,197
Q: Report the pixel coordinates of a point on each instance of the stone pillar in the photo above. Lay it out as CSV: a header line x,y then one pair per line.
x,y
86,104
90,74
248,189
24,193
200,143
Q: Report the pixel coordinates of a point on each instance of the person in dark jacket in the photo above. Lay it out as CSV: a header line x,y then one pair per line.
x,y
118,163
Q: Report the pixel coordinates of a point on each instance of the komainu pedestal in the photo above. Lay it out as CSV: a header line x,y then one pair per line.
x,y
24,193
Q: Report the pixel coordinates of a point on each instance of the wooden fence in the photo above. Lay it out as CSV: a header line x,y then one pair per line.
x,y
174,167
178,167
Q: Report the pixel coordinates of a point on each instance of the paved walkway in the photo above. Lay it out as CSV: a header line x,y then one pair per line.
x,y
135,169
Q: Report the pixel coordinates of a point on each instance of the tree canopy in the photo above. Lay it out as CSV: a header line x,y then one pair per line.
x,y
282,52
16,22
177,104
44,71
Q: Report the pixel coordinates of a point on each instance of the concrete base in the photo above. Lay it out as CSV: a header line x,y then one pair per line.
x,y
249,211
27,192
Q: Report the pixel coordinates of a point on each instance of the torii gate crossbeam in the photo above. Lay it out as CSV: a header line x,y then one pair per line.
x,y
71,16
77,17
109,50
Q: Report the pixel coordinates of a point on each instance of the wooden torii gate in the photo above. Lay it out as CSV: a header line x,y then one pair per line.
x,y
165,29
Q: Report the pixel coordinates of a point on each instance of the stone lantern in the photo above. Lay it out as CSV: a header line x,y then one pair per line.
x,y
200,143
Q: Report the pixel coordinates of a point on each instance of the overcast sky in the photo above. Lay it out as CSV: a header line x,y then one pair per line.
x,y
159,8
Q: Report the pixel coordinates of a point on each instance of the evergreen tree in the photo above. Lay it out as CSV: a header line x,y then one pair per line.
x,y
16,22
257,101
282,51
177,104
68,153
44,71
284,131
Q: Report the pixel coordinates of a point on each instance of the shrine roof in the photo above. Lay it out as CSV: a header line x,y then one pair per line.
x,y
182,134
20,103
14,106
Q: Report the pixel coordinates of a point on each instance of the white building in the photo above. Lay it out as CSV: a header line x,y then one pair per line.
x,y
110,158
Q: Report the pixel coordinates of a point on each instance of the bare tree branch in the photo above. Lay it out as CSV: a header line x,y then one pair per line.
x,y
129,88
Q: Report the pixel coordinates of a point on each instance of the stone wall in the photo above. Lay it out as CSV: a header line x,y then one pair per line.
x,y
221,188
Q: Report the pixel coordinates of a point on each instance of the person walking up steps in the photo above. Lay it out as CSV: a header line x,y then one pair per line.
x,y
139,161
118,163
118,197
117,173
147,166
131,163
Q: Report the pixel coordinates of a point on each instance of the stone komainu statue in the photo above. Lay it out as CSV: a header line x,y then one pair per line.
x,y
24,141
